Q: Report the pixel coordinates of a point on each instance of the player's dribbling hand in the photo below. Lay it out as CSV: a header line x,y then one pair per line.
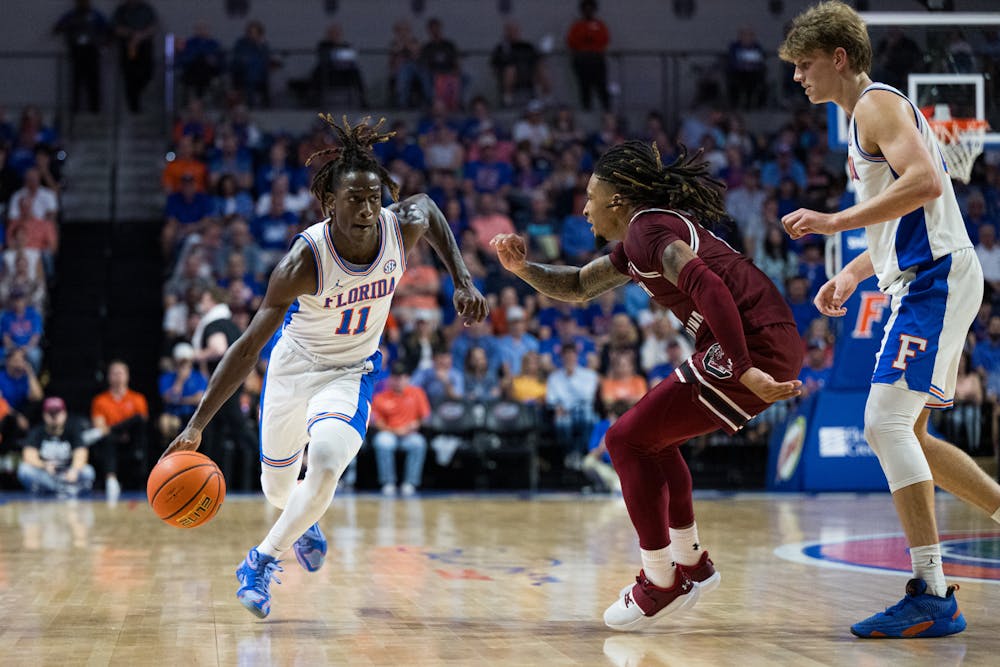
x,y
511,251
470,304
188,440
767,388
831,297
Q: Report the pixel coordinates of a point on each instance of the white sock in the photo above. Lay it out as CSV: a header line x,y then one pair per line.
x,y
927,566
996,515
685,546
267,548
659,566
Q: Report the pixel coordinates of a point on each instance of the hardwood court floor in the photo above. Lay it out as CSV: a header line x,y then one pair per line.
x,y
460,580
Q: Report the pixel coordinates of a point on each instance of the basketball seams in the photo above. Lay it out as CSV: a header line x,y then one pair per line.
x,y
152,500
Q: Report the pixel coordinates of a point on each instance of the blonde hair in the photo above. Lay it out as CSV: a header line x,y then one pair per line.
x,y
826,27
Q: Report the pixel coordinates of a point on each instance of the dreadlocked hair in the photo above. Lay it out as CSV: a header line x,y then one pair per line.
x,y
354,153
635,170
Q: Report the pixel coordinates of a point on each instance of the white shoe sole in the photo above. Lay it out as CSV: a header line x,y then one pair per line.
x,y
709,584
642,622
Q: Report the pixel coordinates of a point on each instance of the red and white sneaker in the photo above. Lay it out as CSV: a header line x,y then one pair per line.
x,y
703,574
644,603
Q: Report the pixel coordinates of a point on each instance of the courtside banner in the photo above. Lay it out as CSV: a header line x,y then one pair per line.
x,y
836,456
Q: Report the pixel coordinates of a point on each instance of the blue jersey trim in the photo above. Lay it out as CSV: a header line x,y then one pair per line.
x,y
319,268
292,309
913,246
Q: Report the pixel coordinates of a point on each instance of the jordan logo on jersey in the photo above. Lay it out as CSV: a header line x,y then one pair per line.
x,y
373,290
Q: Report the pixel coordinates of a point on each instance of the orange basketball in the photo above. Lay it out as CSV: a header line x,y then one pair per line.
x,y
186,489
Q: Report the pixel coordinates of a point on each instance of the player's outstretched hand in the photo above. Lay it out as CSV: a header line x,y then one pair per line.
x,y
470,305
831,296
769,389
800,222
188,440
511,251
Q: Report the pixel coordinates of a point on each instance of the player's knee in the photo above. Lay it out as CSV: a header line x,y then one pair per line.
x,y
890,417
276,490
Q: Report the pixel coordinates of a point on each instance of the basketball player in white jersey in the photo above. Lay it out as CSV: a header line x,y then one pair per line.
x,y
920,252
328,298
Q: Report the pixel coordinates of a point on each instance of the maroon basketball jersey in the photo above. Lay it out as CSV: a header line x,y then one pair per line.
x,y
640,256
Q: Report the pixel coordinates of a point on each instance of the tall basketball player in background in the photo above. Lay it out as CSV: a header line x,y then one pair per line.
x,y
921,253
330,295
747,353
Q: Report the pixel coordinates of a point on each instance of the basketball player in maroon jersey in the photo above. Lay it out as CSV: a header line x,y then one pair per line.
x,y
747,353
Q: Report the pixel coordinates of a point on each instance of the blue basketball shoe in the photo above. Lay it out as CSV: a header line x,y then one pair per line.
x,y
310,549
918,614
255,573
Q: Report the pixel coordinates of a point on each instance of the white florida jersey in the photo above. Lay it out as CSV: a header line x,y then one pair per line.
x,y
930,232
343,321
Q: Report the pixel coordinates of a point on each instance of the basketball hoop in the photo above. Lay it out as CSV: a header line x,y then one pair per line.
x,y
961,139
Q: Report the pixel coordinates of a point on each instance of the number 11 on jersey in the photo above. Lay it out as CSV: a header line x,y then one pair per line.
x,y
345,322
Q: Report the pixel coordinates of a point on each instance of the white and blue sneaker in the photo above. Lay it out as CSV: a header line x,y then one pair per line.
x,y
310,549
255,573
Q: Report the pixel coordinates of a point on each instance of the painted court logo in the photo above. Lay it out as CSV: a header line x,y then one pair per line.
x,y
972,556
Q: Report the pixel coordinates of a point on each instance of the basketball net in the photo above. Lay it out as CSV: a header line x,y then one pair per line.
x,y
961,139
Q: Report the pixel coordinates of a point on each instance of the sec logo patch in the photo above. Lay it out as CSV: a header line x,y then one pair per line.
x,y
389,266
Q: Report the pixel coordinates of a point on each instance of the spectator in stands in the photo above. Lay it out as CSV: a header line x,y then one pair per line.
x,y
230,200
195,123
55,458
570,393
337,65
542,228
40,234
19,387
529,387
422,343
816,371
251,66
120,414
49,169
181,390
798,299
654,350
401,146
44,203
85,30
273,231
964,423
439,58
21,328
518,342
533,129
488,173
480,379
489,221
976,215
240,282
295,201
597,463
186,213
588,40
622,382
745,204
277,166
812,266
480,121
239,239
200,60
184,163
24,281
565,131
988,252
783,166
443,151
417,291
477,334
441,381
17,246
675,357
405,70
623,338
985,359
231,160
398,413
518,66
746,72
567,335
31,133
774,256
134,23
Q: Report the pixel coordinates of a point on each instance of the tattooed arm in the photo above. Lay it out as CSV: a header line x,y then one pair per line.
x,y
566,283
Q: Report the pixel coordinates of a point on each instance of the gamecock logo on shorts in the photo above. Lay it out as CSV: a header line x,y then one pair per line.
x,y
389,266
717,364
